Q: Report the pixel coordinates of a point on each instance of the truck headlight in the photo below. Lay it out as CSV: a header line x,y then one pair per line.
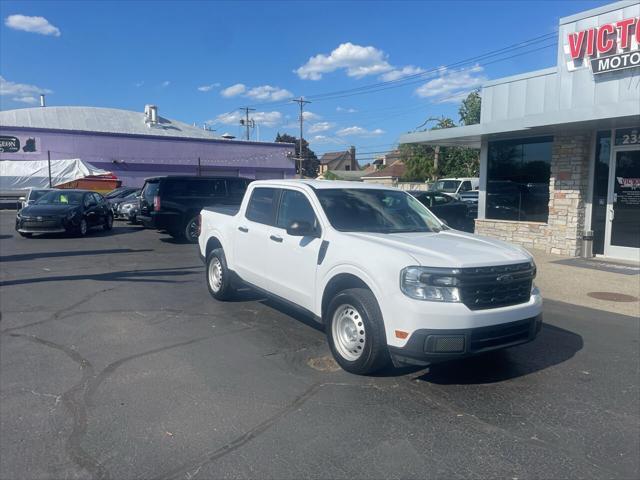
x,y
431,284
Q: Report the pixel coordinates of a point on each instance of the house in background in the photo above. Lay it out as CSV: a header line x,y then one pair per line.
x,y
387,159
389,175
339,161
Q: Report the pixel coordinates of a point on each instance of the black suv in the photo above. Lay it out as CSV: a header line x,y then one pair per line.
x,y
173,203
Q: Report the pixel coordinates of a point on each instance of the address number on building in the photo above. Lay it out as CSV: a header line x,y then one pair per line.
x,y
627,136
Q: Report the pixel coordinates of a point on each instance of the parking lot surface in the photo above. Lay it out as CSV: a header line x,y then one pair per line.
x,y
116,363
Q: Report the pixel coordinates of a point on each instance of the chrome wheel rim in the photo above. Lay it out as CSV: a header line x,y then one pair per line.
x,y
215,274
348,331
192,229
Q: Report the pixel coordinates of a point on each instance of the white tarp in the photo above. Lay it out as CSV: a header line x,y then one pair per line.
x,y
18,175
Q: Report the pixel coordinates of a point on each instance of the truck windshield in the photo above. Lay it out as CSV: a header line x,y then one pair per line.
x,y
372,210
446,186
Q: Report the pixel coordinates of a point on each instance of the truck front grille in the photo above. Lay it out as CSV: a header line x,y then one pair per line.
x,y
496,286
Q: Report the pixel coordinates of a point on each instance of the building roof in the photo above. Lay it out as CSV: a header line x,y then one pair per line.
x,y
396,170
331,157
102,120
321,184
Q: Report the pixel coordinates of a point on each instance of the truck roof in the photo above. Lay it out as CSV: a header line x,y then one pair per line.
x,y
323,184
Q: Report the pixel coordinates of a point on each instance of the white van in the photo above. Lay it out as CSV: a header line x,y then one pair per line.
x,y
456,186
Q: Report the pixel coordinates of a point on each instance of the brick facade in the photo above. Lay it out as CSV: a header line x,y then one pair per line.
x,y
567,194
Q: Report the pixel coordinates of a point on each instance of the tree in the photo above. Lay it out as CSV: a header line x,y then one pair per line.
x,y
418,160
469,110
310,163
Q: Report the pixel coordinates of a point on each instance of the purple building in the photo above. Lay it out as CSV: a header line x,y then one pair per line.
x,y
136,145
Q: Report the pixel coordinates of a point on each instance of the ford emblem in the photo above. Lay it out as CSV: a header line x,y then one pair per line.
x,y
506,278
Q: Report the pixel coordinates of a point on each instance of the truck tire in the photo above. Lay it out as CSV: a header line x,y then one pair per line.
x,y
190,233
355,331
219,281
108,223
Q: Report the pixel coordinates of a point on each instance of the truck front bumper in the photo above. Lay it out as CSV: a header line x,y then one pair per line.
x,y
427,346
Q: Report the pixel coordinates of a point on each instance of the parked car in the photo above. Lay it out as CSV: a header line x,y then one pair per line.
x,y
120,195
377,268
446,208
455,186
73,211
173,203
116,191
128,210
31,195
471,199
115,203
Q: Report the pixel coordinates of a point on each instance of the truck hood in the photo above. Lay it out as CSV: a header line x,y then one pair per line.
x,y
450,248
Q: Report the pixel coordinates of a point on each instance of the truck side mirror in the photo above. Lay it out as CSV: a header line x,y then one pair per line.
x,y
300,228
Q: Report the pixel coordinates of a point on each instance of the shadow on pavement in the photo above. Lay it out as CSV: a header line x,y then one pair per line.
x,y
552,346
149,276
77,253
4,237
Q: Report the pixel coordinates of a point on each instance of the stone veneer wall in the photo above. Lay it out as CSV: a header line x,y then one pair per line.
x,y
567,193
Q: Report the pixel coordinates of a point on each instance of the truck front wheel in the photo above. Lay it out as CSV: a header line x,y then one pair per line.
x,y
219,281
355,331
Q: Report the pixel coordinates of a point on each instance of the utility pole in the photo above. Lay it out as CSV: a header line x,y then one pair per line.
x,y
301,101
246,122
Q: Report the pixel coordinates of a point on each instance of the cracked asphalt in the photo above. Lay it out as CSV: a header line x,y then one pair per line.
x,y
116,364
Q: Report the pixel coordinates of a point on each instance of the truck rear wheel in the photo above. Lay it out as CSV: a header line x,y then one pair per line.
x,y
355,331
192,230
219,281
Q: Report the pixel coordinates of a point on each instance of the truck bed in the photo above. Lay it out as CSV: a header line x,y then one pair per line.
x,y
230,210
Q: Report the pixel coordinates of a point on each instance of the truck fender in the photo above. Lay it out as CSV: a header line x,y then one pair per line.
x,y
340,278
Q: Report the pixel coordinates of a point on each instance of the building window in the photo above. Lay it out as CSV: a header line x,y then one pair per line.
x,y
518,179
347,168
600,189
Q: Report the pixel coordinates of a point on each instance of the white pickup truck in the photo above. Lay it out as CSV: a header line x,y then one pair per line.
x,y
387,279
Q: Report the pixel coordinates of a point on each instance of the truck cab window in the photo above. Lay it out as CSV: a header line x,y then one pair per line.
x,y
261,208
294,206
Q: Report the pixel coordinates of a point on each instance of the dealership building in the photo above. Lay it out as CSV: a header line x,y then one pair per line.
x,y
135,145
560,147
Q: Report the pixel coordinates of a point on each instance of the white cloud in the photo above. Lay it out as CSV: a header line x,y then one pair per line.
x,y
31,24
320,127
323,139
399,73
452,85
165,84
26,99
348,110
357,60
207,88
139,84
359,132
267,119
20,90
267,92
234,90
310,116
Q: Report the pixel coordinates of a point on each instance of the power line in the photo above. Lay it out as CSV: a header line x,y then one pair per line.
x,y
418,77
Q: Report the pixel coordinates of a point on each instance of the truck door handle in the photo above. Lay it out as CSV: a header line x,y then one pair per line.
x,y
276,238
243,229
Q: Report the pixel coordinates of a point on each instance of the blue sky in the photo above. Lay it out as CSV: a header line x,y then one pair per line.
x,y
200,61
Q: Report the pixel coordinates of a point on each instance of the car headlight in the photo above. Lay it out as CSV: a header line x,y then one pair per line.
x,y
431,284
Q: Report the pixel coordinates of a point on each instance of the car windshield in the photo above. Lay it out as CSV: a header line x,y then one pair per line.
x,y
114,193
36,194
373,210
447,186
60,198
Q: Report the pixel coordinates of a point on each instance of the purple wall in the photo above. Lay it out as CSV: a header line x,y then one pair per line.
x,y
132,158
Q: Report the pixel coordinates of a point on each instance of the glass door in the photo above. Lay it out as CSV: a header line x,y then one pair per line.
x,y
623,212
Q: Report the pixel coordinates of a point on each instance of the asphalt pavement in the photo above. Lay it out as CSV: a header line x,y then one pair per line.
x,y
115,363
